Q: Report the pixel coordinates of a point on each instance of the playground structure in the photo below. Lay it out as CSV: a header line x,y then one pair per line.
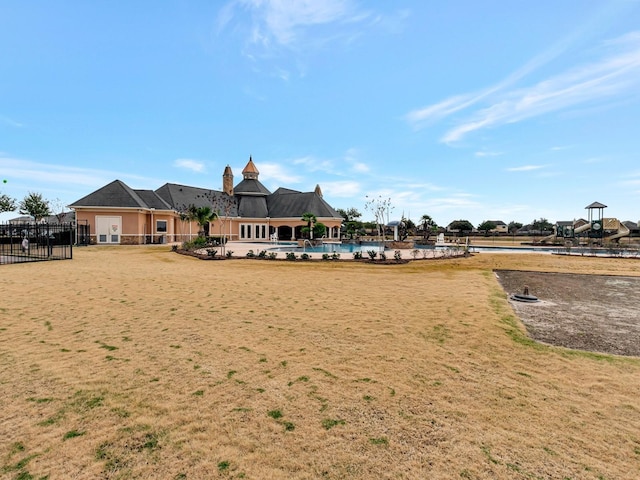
x,y
597,228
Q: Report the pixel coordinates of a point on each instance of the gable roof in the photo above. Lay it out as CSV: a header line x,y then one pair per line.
x,y
116,194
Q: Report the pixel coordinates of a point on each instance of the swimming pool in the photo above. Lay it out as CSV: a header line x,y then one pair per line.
x,y
331,248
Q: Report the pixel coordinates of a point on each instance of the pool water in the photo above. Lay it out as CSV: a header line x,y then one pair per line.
x,y
330,248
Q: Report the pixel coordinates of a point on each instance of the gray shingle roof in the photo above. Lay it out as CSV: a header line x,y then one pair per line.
x,y
250,186
286,203
254,207
115,194
251,199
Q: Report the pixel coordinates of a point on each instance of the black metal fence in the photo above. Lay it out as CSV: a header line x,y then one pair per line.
x,y
35,242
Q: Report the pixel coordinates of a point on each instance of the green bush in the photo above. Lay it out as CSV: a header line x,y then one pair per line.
x,y
291,256
372,254
357,255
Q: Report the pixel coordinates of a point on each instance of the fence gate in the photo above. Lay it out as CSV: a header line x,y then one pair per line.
x,y
35,242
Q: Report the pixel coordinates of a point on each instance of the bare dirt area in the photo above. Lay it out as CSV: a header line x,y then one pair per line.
x,y
598,313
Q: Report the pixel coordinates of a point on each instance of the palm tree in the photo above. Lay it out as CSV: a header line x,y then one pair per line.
x,y
311,219
202,216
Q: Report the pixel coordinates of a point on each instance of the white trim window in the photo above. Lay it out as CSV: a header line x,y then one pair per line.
x,y
253,231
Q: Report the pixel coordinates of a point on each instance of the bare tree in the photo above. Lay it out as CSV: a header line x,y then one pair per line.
x,y
380,208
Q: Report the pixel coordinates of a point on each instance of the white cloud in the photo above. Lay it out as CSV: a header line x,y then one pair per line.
x,y
275,172
484,153
190,164
286,23
344,189
525,168
313,164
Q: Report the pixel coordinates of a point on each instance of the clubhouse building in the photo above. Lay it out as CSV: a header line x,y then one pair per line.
x,y
248,211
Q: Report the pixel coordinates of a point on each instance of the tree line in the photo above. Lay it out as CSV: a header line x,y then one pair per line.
x,y
33,204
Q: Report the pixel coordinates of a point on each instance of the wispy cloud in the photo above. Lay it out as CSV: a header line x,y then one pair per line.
x,y
342,189
276,173
352,157
190,164
276,23
615,73
69,182
485,153
313,164
10,122
525,168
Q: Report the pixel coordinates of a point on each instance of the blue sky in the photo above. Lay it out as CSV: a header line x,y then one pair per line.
x,y
476,110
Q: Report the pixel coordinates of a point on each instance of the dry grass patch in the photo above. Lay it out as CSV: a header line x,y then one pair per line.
x,y
154,364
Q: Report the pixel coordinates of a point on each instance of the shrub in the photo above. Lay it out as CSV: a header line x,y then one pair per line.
x,y
383,256
305,256
325,256
229,253
272,255
415,252
335,256
357,255
372,254
262,254
250,254
397,255
212,252
195,244
291,256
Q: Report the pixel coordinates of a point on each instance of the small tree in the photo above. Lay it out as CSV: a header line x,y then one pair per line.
x,y
35,206
350,214
428,225
202,216
463,226
311,219
351,223
7,204
224,206
542,225
486,227
57,208
513,227
319,229
381,208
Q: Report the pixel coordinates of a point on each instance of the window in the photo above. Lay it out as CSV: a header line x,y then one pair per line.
x,y
161,226
249,231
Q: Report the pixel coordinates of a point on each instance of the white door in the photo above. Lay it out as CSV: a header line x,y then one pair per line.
x,y
108,229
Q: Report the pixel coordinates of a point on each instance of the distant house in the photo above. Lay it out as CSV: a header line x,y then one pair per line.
x,y
118,214
501,227
634,228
